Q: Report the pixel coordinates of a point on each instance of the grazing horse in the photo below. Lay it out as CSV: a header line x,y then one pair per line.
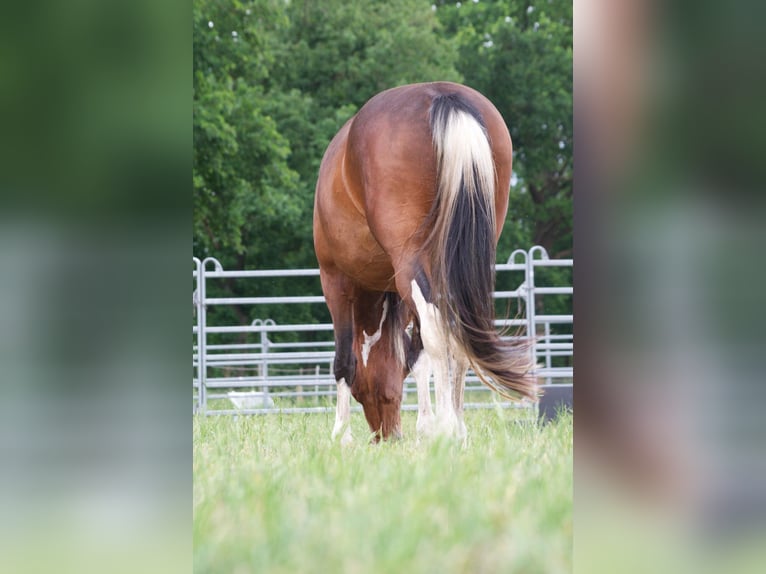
x,y
410,202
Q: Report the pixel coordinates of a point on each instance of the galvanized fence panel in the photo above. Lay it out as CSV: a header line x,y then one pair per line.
x,y
272,375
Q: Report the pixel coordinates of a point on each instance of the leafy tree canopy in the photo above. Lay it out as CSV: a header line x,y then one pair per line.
x,y
274,80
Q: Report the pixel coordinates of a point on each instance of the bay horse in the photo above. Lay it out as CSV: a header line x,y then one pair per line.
x,y
410,202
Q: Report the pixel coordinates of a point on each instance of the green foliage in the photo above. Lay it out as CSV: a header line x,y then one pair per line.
x,y
273,82
344,52
241,175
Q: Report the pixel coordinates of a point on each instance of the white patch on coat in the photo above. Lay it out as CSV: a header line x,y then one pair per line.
x,y
421,372
343,414
370,340
437,344
458,370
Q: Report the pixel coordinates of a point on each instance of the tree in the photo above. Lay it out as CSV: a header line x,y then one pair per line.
x,y
240,173
273,83
519,54
342,52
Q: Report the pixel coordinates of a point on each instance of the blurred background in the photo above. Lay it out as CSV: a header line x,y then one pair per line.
x,y
95,454
669,229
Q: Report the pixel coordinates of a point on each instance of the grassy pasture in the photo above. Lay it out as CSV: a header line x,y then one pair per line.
x,y
274,494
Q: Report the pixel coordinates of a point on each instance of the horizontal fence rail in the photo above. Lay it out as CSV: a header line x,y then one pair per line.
x,y
251,369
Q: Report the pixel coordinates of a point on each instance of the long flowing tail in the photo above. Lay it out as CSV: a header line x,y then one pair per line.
x,y
462,248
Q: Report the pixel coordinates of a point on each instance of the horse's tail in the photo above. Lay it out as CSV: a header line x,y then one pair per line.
x,y
462,249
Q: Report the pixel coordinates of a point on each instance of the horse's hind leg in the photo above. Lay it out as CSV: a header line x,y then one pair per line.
x,y
437,344
459,368
338,292
420,366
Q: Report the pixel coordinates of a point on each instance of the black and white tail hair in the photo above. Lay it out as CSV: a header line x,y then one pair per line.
x,y
461,249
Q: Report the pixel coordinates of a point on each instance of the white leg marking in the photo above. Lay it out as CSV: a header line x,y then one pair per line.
x,y
437,344
369,341
343,414
421,371
459,367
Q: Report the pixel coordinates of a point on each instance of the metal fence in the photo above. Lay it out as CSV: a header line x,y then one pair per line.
x,y
265,367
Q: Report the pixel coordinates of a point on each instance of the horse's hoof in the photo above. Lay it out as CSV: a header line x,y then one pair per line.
x,y
346,439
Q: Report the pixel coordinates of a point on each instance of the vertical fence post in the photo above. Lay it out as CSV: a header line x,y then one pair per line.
x,y
532,311
202,342
258,323
202,329
265,344
531,327
197,302
548,351
524,289
264,350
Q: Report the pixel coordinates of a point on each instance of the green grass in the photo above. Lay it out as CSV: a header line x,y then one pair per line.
x,y
274,494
